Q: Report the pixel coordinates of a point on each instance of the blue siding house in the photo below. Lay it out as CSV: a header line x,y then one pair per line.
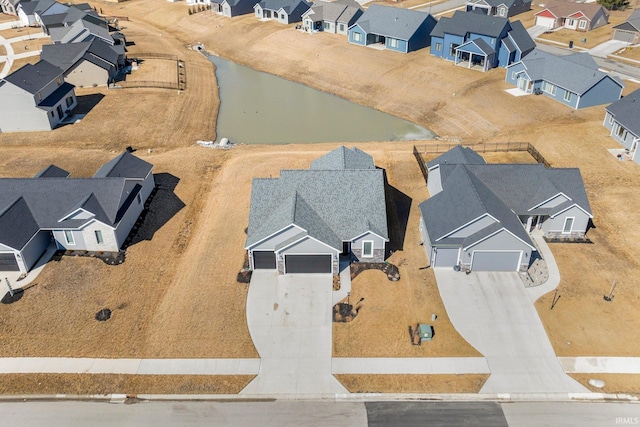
x,y
396,29
477,40
573,80
623,121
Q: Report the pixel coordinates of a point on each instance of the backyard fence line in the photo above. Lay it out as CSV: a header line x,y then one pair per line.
x,y
440,148
155,55
149,84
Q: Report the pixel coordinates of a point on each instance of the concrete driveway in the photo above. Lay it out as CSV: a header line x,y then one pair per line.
x,y
289,318
495,314
607,48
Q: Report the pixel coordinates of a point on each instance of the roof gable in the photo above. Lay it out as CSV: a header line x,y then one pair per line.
x,y
392,21
626,111
462,23
34,77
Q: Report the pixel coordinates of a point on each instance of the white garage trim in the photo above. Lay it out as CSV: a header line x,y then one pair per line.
x,y
517,266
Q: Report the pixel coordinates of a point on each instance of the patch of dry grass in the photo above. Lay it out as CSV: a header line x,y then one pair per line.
x,y
19,31
30,45
470,383
614,383
19,63
155,70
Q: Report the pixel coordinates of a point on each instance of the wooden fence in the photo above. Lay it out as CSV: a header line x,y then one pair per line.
x,y
441,147
181,73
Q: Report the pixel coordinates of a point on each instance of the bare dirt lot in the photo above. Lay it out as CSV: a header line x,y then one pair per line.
x,y
176,295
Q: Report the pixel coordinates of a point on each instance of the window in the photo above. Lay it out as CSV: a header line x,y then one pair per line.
x,y
568,225
610,119
453,49
502,12
282,16
367,249
438,47
357,37
341,27
327,26
582,24
549,88
570,22
493,42
69,101
567,96
139,199
99,237
621,133
68,235
393,42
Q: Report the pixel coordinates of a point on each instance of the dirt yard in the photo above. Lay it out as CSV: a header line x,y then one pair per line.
x,y
176,294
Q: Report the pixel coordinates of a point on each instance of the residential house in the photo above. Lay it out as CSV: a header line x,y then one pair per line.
x,y
81,30
27,11
9,7
474,39
573,79
629,30
233,8
283,11
573,16
94,214
34,98
205,3
92,63
501,8
304,220
622,118
401,30
482,214
331,16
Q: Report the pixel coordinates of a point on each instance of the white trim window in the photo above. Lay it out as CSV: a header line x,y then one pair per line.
x,y
393,43
567,96
438,47
99,239
68,236
548,88
568,225
582,24
357,37
367,249
610,119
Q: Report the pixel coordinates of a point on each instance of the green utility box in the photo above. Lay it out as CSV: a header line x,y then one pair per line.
x,y
425,331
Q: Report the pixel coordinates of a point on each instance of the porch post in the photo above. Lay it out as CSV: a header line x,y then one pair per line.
x,y
529,221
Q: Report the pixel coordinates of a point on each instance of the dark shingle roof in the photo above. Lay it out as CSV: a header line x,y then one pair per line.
x,y
627,112
58,94
344,158
65,55
521,37
633,21
125,165
391,21
52,171
34,77
17,212
458,155
463,22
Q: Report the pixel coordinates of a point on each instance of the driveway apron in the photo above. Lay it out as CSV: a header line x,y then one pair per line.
x,y
494,313
289,318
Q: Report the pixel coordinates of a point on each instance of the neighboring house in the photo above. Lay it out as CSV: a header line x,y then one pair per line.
x,y
501,8
199,2
623,120
10,7
27,10
283,11
92,63
573,79
331,16
402,30
81,30
70,15
481,217
629,30
573,16
304,220
34,98
94,214
233,8
474,39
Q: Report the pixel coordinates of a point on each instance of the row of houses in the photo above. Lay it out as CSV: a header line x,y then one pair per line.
x,y
84,52
479,216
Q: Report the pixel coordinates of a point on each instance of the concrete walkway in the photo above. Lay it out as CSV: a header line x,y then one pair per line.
x,y
601,365
553,281
495,314
70,365
290,322
13,276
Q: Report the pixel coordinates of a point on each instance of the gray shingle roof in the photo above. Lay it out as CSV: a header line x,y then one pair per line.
x,y
481,44
462,22
331,205
28,7
52,171
633,21
344,158
626,111
61,92
46,199
34,77
287,5
458,155
125,165
97,51
521,37
391,21
576,72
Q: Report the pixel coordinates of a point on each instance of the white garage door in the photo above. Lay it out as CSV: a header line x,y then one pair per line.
x,y
495,261
545,22
446,257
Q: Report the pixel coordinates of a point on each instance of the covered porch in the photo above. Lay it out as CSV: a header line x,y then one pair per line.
x,y
475,54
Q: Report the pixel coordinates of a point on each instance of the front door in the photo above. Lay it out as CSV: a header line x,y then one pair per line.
x,y
522,83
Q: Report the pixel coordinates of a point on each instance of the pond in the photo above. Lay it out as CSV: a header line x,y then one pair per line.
x,y
260,108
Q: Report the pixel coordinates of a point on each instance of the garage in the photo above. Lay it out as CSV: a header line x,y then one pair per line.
x,y
308,264
495,261
264,260
445,257
624,36
8,262
546,21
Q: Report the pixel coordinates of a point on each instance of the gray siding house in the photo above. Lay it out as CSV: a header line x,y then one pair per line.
x,y
231,8
501,8
622,118
575,16
304,220
9,7
629,30
332,17
92,63
479,216
283,11
94,214
35,98
573,80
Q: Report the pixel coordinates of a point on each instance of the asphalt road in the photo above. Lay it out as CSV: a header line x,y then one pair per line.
x,y
319,413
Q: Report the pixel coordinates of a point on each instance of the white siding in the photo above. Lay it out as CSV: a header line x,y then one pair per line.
x,y
474,227
378,242
555,225
108,236
434,184
19,113
309,246
128,220
553,202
